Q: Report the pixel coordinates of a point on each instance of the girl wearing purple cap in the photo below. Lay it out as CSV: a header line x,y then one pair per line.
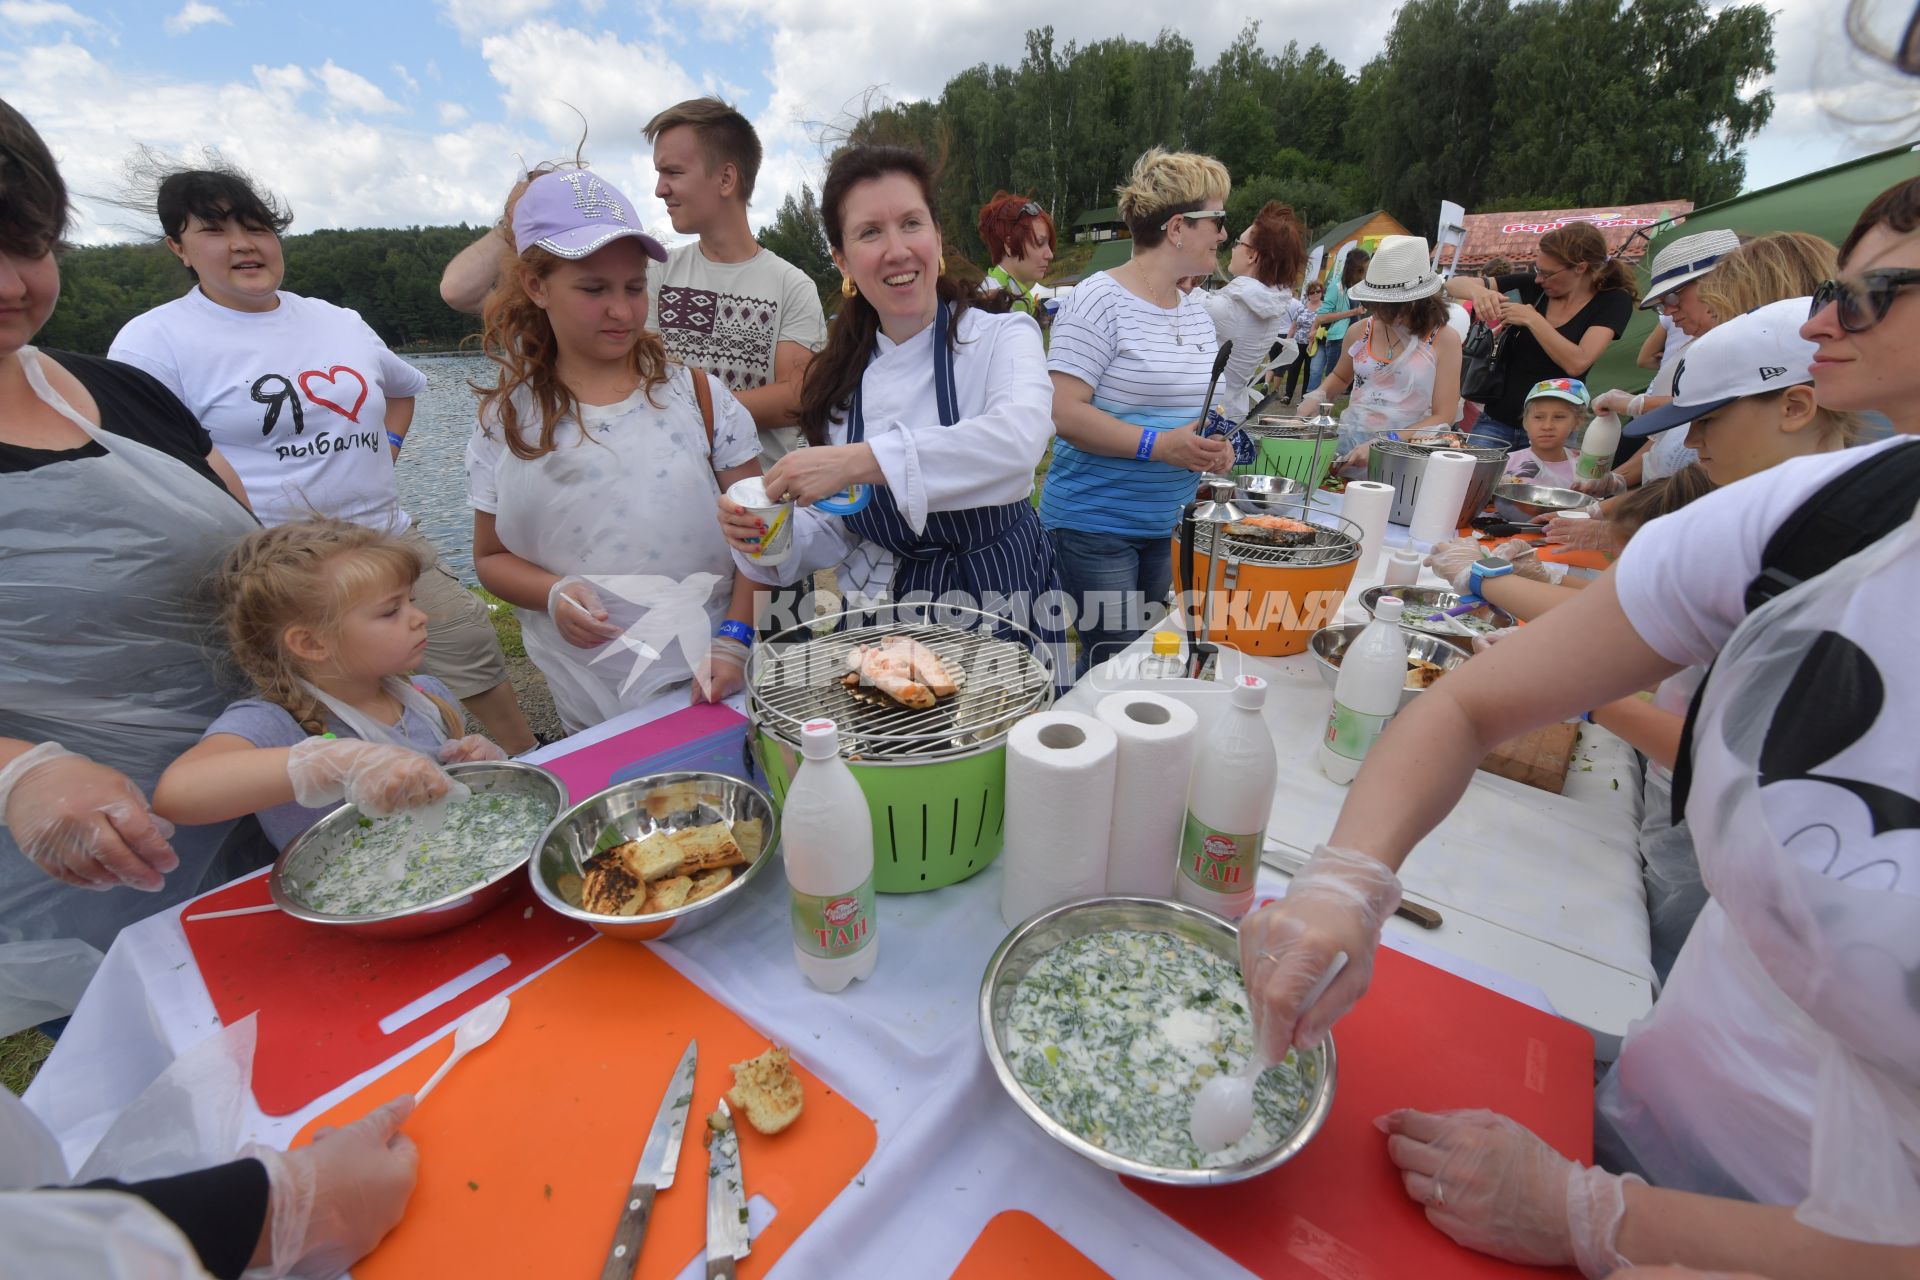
x,y
595,465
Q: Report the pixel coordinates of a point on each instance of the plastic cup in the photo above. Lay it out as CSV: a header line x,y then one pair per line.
x,y
776,544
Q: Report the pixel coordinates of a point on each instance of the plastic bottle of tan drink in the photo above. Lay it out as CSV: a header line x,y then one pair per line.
x,y
1373,671
1228,803
827,844
1597,447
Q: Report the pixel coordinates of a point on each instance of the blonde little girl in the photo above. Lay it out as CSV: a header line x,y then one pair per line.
x,y
1556,411
319,615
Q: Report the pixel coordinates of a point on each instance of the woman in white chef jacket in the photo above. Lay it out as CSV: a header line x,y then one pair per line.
x,y
943,409
1772,1097
595,463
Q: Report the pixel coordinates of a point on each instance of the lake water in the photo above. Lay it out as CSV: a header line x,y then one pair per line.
x,y
432,469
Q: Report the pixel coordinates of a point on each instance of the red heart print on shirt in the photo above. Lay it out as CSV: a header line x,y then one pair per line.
x,y
330,380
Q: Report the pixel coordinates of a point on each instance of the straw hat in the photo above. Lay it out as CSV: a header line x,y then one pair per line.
x,y
1401,271
1687,258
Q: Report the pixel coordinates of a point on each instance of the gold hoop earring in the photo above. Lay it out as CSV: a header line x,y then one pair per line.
x,y
943,264
847,287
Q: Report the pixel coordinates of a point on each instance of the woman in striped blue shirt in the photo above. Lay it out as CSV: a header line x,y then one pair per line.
x,y
1130,359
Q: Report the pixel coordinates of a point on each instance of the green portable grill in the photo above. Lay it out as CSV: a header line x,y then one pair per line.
x,y
1291,447
935,780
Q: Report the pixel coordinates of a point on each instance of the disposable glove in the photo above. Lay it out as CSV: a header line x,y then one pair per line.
x,y
723,672
579,613
82,823
329,1203
378,778
1492,1185
467,750
1336,903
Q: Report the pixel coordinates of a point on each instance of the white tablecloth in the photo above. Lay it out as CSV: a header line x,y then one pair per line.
x,y
905,1046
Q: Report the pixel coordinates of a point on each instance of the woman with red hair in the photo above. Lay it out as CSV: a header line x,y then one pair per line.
x,y
1019,235
1257,307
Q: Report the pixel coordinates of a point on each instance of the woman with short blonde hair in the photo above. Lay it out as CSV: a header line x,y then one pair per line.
x,y
1130,361
1787,264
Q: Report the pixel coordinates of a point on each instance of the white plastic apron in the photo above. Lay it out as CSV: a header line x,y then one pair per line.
x,y
1783,1058
630,509
107,643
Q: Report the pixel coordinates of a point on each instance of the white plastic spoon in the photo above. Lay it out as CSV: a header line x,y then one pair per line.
x,y
474,1031
1223,1113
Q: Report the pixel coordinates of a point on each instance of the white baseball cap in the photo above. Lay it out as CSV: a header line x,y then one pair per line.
x,y
1759,352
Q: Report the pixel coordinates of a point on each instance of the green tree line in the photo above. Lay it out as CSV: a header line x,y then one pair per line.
x,y
390,275
1490,103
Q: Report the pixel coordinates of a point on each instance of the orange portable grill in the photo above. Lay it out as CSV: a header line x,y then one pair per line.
x,y
1264,596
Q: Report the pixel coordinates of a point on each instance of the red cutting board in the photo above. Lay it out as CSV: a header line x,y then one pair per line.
x,y
1422,1038
1019,1244
527,1152
705,738
321,994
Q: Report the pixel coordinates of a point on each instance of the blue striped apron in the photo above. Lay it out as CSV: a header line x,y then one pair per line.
x,y
988,555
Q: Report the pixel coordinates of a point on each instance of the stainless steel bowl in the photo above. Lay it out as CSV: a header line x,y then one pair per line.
x,y
1522,503
1329,644
623,809
1424,599
329,835
1028,944
1267,494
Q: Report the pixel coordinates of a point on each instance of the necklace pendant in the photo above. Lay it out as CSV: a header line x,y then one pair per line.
x,y
1179,339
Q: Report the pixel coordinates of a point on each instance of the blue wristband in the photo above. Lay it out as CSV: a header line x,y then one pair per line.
x,y
395,440
1145,451
736,631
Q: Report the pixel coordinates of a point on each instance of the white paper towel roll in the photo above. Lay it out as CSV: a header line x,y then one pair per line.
x,y
1367,503
1060,773
1443,490
1158,737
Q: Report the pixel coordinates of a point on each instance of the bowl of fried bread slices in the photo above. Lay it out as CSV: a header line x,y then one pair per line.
x,y
656,856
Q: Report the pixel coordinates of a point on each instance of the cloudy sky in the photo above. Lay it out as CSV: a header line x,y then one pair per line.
x,y
365,113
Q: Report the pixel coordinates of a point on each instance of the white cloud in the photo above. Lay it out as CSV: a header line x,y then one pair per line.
x,y
475,18
195,14
452,113
354,92
406,77
40,13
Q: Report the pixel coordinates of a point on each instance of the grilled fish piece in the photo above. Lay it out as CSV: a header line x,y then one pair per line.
x,y
891,672
927,667
1278,530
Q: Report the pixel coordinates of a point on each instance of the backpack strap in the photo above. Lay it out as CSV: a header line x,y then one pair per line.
x,y
1845,516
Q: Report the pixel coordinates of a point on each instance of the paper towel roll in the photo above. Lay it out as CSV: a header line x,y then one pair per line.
x,y
1060,772
1158,737
1443,491
1367,503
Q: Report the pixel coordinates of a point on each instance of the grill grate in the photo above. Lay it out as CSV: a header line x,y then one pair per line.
x,y
1324,546
999,681
1267,427
1413,449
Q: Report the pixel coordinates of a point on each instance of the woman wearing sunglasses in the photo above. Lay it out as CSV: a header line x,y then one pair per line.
x,y
1771,1101
1019,235
1130,359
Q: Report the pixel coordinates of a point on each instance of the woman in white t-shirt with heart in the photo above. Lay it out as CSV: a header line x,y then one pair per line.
x,y
308,403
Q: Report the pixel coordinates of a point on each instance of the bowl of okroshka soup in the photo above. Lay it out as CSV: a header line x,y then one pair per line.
x,y
1104,1018
419,872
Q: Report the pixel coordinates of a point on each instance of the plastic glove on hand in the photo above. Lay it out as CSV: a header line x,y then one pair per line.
x,y
83,823
579,614
378,778
1482,643
474,747
1580,535
1602,487
1490,1184
1337,902
1454,558
330,1203
1525,560
1614,401
723,672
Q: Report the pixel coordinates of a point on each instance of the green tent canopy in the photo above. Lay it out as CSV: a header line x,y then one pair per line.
x,y
1825,203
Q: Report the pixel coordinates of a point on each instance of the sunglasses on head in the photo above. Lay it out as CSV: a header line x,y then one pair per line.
x,y
1198,215
1864,305
1031,209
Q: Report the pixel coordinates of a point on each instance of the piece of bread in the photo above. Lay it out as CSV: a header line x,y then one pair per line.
x,y
610,889
705,848
708,883
767,1091
751,835
571,889
665,895
680,797
652,857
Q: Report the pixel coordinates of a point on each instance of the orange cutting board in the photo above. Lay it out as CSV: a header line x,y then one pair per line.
x,y
1019,1244
528,1148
